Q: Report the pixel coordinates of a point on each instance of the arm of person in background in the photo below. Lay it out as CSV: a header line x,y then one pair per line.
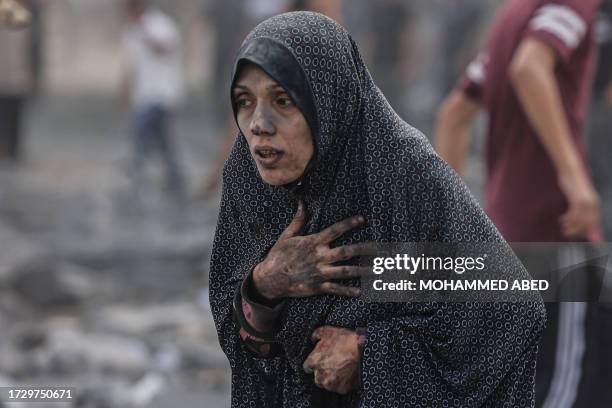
x,y
532,73
454,128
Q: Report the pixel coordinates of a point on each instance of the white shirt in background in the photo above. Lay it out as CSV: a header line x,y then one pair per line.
x,y
259,10
155,77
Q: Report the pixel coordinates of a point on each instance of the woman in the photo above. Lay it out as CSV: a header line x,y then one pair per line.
x,y
323,167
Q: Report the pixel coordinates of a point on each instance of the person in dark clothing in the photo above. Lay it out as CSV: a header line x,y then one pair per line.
x,y
16,75
600,126
391,20
323,168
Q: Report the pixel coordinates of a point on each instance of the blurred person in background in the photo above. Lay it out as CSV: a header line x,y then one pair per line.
x,y
17,79
534,80
600,129
259,10
152,88
37,56
13,14
329,8
224,17
461,25
390,36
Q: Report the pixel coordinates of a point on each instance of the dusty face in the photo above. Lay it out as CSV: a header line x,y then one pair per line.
x,y
277,133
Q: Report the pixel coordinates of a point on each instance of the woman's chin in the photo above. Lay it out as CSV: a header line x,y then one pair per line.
x,y
276,177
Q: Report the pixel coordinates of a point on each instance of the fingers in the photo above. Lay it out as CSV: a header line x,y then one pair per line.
x,y
315,357
331,373
321,376
331,233
312,361
577,224
317,379
328,381
583,212
323,380
570,228
342,385
567,224
345,272
321,332
330,288
344,253
299,219
309,364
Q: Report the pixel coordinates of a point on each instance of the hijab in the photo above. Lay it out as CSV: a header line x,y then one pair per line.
x,y
368,162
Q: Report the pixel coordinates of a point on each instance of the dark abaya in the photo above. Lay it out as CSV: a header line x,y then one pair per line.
x,y
368,162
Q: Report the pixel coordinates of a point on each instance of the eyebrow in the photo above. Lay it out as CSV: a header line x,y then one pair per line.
x,y
273,86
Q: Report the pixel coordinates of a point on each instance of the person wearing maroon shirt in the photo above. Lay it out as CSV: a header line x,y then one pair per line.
x,y
534,81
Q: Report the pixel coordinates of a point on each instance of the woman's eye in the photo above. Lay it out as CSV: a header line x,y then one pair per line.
x,y
242,103
284,102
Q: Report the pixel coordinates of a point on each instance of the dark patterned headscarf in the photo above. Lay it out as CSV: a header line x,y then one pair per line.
x,y
368,162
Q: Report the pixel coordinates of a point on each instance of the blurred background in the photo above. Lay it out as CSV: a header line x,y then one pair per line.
x,y
103,275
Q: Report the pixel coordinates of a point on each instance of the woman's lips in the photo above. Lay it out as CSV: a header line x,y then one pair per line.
x,y
268,157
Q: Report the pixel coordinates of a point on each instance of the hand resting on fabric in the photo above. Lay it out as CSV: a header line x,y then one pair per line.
x,y
335,359
301,266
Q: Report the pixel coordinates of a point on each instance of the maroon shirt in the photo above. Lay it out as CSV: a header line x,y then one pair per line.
x,y
522,195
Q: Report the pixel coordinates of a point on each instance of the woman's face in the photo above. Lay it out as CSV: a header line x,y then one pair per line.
x,y
278,135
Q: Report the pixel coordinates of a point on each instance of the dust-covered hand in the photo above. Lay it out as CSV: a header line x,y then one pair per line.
x,y
300,266
335,360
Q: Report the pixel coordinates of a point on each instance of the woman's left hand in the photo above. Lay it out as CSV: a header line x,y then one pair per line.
x,y
335,359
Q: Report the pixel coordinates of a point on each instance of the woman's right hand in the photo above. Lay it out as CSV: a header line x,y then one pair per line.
x,y
300,266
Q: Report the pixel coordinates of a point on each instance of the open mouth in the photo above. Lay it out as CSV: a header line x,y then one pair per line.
x,y
268,156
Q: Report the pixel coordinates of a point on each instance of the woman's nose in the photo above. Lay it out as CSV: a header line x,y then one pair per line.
x,y
262,123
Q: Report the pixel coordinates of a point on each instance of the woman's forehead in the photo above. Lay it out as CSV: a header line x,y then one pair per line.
x,y
251,75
